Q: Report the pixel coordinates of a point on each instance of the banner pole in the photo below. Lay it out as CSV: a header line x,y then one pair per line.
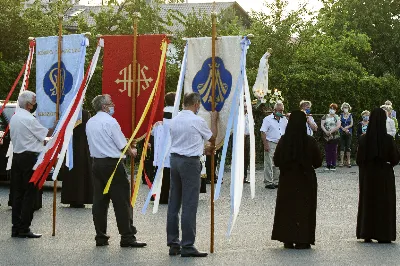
x,y
58,90
133,92
214,37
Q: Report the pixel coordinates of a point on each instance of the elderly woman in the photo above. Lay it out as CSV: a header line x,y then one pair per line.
x,y
363,124
376,156
390,124
330,125
297,155
305,106
346,130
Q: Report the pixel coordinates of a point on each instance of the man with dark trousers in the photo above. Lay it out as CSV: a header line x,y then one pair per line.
x,y
27,137
106,142
188,133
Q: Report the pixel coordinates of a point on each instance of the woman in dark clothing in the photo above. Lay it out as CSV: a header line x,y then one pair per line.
x,y
376,156
297,155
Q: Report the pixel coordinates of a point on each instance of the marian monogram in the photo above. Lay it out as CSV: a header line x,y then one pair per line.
x,y
50,82
143,82
202,83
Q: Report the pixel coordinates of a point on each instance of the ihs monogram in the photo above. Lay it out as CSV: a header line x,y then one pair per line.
x,y
142,81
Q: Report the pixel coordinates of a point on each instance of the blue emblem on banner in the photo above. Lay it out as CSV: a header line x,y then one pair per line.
x,y
202,84
50,82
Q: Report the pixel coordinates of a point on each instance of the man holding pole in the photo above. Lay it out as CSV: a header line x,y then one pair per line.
x,y
188,133
106,141
27,137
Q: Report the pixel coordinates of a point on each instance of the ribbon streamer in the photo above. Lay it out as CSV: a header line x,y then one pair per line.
x,y
63,133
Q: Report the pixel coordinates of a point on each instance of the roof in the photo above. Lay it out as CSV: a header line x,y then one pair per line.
x,y
165,9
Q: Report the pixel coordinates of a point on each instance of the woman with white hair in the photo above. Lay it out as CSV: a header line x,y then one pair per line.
x,y
346,130
390,124
305,106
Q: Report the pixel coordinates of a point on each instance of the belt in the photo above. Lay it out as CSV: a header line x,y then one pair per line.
x,y
107,159
28,153
183,156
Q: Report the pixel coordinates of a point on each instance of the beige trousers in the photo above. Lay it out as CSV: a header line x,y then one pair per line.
x,y
271,172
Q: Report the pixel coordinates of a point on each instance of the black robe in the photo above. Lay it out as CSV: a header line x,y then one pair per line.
x,y
77,187
376,217
296,202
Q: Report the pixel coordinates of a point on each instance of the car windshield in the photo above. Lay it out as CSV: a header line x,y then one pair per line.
x,y
8,112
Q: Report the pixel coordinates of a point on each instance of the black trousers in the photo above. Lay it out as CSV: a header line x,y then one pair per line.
x,y
24,193
246,154
164,196
119,194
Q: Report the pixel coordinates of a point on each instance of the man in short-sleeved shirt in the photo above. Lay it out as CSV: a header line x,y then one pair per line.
x,y
27,137
272,129
106,142
188,133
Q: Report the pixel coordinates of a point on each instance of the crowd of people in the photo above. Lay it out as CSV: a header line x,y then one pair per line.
x,y
291,155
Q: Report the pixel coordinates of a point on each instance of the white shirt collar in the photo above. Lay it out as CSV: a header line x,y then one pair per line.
x,y
169,109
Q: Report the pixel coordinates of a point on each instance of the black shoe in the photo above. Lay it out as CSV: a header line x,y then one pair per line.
x,y
245,181
14,234
384,241
77,206
29,235
303,246
133,244
367,241
195,254
288,245
270,186
173,251
102,244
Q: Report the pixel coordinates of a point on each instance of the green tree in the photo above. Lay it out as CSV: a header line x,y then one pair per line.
x,y
378,19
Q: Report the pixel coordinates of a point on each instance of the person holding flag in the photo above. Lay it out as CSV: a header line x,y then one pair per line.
x,y
106,141
188,133
27,137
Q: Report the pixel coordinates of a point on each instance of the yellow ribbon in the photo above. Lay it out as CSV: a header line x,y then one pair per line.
x,y
146,110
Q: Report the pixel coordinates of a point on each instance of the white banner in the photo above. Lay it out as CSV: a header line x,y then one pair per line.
x,y
72,67
198,76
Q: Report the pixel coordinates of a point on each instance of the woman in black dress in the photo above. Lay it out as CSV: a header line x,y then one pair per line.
x,y
376,156
297,155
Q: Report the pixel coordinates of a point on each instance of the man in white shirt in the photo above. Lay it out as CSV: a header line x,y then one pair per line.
x,y
305,106
106,142
272,129
188,133
27,137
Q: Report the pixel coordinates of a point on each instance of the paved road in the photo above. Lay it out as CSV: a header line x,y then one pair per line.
x,y
250,243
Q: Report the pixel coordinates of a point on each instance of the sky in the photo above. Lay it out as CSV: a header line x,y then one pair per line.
x,y
258,5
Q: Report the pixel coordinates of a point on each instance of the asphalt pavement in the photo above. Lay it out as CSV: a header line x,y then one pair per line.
x,y
249,244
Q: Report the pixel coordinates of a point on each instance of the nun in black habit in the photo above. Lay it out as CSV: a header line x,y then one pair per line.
x,y
376,156
77,187
296,155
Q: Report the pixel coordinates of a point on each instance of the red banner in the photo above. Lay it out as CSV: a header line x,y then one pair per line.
x,y
118,77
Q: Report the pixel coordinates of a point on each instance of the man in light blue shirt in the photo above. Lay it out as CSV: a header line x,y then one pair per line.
x,y
272,129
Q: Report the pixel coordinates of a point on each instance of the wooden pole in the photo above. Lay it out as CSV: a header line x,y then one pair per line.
x,y
214,37
133,91
60,20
